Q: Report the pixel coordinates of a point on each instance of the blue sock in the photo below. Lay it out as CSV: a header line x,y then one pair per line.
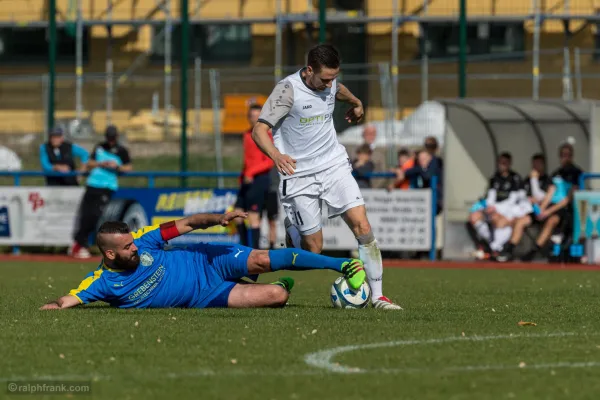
x,y
301,260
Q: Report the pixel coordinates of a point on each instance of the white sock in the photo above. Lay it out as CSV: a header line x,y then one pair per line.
x,y
501,236
369,253
294,233
483,230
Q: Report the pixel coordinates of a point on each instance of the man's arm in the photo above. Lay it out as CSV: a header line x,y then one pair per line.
x,y
198,221
67,301
345,95
92,163
356,113
255,161
276,108
47,166
44,160
548,198
126,160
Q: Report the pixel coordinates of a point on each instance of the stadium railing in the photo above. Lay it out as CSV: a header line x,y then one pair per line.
x,y
151,177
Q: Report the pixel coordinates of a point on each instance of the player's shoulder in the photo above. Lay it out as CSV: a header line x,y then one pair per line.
x,y
145,230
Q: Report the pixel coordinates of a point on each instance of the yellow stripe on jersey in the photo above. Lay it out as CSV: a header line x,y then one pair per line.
x,y
86,284
141,232
104,266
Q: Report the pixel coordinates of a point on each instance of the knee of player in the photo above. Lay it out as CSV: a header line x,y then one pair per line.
x,y
259,261
474,217
278,296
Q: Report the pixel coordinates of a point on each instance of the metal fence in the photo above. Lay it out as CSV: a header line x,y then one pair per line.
x,y
146,107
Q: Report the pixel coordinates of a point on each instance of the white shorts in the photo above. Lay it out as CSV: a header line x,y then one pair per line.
x,y
506,210
522,209
302,197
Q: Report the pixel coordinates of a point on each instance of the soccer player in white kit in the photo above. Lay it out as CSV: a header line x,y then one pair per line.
x,y
314,166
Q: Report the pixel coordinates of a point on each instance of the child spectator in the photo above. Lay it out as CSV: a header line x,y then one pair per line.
x,y
363,166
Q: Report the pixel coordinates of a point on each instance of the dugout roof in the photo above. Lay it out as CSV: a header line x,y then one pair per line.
x,y
486,127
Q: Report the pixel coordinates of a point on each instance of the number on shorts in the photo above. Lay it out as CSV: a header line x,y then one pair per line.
x,y
298,218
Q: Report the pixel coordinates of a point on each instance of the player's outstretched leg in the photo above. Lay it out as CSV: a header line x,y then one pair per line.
x,y
261,261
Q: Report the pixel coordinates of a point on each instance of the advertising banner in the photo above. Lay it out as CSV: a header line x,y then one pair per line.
x,y
38,215
401,220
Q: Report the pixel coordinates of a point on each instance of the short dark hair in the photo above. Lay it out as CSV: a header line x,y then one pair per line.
x,y
255,106
431,143
506,155
323,55
364,149
403,152
567,146
538,157
107,228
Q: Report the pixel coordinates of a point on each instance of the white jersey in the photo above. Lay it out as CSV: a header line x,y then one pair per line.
x,y
302,123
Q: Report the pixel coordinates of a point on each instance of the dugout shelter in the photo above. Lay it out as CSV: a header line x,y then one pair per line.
x,y
477,130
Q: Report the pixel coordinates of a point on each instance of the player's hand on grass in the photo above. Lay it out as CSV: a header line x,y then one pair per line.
x,y
355,114
285,164
231,216
50,306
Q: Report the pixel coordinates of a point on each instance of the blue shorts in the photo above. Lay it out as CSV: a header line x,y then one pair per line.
x,y
221,266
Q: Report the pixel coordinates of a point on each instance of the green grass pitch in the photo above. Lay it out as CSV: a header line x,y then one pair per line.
x,y
458,338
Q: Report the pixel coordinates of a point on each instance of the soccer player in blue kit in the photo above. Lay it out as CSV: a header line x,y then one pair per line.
x,y
137,272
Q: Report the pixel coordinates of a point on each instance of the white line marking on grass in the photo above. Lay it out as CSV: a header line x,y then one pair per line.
x,y
323,359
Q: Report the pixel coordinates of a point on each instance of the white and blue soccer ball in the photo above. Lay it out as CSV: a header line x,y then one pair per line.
x,y
342,296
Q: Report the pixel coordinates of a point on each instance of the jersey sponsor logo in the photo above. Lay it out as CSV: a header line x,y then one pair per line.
x,y
148,286
318,119
146,259
307,107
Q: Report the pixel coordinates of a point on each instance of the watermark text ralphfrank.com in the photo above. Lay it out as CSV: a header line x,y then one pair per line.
x,y
48,387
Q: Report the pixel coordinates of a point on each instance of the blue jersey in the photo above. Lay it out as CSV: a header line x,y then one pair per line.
x,y
105,178
181,277
564,179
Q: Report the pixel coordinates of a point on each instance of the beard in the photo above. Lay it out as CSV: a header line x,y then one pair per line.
x,y
127,263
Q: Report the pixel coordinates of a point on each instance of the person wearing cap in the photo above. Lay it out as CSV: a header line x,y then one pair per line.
x,y
107,161
58,155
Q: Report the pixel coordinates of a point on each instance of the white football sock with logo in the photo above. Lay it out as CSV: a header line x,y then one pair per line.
x,y
371,256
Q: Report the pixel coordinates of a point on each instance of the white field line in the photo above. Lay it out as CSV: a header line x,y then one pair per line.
x,y
322,361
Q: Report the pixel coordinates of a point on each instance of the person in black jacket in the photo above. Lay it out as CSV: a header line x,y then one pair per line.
x,y
58,155
362,166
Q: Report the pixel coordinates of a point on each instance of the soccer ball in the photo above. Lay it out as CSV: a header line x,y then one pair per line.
x,y
342,296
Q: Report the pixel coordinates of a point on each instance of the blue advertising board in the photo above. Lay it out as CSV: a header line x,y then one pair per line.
x,y
144,206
